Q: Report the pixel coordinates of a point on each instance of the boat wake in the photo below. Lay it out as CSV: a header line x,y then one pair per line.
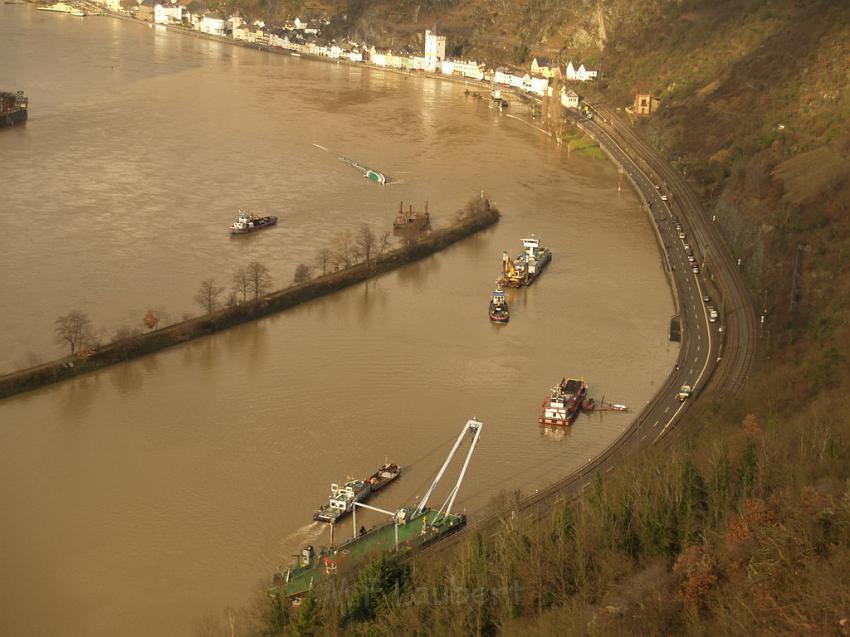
x,y
306,533
370,173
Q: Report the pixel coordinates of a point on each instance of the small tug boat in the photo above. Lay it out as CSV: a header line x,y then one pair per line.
x,y
527,265
342,500
565,402
246,222
499,312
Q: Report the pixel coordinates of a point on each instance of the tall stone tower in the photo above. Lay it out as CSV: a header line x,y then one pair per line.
x,y
435,49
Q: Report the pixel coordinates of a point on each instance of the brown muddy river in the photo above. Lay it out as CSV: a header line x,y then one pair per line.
x,y
138,500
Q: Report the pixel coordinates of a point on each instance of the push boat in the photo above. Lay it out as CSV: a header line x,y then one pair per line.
x,y
409,528
526,266
246,222
342,500
565,402
499,312
13,108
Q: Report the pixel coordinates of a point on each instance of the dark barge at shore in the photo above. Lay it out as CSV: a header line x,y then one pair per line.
x,y
13,109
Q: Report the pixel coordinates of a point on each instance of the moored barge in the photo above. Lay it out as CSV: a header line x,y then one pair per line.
x,y
565,402
526,266
411,219
383,476
13,109
409,528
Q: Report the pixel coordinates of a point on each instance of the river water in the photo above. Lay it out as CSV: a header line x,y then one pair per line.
x,y
138,500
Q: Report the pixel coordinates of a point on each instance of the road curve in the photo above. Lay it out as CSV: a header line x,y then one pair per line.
x,y
715,356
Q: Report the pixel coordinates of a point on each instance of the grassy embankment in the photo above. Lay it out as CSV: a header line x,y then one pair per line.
x,y
742,526
476,215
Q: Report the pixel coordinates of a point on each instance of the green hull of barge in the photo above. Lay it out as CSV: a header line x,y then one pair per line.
x,y
373,543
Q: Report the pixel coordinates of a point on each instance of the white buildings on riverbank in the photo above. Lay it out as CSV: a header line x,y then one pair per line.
x,y
303,37
168,13
211,24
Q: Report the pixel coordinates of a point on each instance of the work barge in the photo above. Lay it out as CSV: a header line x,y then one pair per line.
x,y
409,528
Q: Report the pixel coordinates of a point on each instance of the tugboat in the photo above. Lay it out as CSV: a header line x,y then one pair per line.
x,y
499,312
13,109
411,219
527,265
565,402
246,222
342,501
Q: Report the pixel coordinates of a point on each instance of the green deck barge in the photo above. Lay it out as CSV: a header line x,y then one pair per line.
x,y
418,531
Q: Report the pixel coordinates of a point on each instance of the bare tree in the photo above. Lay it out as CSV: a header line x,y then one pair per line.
x,y
207,296
383,243
345,251
259,280
324,258
303,273
365,243
74,328
241,283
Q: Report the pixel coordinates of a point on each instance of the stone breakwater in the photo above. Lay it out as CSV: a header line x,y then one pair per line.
x,y
475,216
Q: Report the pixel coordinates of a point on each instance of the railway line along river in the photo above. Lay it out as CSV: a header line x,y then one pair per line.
x,y
142,497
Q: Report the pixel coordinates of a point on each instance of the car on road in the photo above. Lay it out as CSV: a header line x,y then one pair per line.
x,y
687,247
684,393
712,315
706,298
692,259
682,234
663,197
695,269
